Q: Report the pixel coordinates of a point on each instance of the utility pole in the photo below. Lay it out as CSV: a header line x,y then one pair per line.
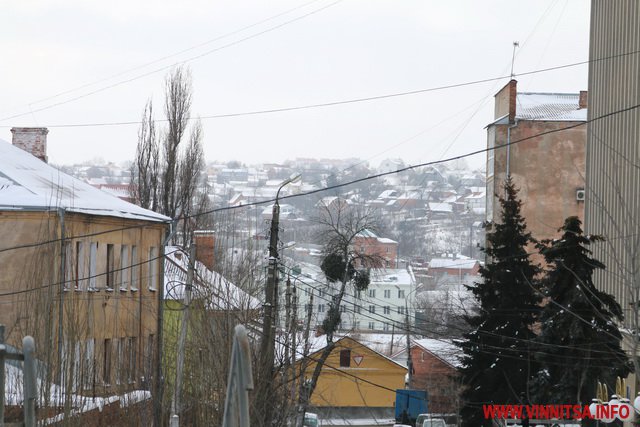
x,y
177,391
267,345
303,390
409,360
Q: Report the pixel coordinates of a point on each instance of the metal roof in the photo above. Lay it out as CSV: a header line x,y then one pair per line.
x,y
549,107
28,184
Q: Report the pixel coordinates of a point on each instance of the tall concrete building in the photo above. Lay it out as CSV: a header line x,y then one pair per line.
x,y
612,206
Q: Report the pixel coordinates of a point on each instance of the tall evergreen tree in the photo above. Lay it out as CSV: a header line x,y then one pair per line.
x,y
580,342
498,362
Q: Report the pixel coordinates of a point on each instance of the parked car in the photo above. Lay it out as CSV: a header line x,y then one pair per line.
x,y
311,420
434,422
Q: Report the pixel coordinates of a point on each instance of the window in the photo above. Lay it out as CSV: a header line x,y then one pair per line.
x,y
135,269
358,309
88,366
387,309
372,309
132,344
306,291
149,353
320,308
120,357
308,308
385,326
387,293
358,294
79,264
68,265
343,308
372,293
372,325
110,268
106,362
356,325
400,293
345,358
124,268
400,310
93,258
153,268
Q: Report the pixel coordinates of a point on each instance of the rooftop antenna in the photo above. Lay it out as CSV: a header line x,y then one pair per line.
x,y
513,58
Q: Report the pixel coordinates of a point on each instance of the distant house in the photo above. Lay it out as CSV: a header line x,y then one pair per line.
x,y
435,363
355,382
454,271
81,272
377,249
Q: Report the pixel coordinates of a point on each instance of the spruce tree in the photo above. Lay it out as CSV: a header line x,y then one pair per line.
x,y
579,339
497,362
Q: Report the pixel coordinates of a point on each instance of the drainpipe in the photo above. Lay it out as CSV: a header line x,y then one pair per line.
x,y
63,277
509,147
159,380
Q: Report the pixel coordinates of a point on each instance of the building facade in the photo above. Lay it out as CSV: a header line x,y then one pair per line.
x,y
539,139
612,202
81,273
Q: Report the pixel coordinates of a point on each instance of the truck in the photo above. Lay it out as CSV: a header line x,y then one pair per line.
x,y
410,404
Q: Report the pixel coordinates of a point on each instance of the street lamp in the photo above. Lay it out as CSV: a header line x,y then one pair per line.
x,y
267,345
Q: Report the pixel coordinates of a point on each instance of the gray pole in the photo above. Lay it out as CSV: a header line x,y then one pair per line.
x,y
176,404
409,360
29,378
270,309
2,351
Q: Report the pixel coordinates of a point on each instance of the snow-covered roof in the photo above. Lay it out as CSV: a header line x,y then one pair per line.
x,y
220,293
440,207
549,106
442,348
396,276
27,183
464,264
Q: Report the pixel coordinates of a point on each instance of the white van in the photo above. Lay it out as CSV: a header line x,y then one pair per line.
x,y
311,420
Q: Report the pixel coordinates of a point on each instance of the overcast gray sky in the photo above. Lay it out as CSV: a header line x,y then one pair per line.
x,y
79,61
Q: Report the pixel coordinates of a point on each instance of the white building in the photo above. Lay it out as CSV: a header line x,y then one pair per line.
x,y
382,307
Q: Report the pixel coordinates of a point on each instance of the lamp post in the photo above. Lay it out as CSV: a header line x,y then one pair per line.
x,y
267,345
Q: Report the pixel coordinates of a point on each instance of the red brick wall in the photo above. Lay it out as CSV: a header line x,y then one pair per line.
x,y
438,378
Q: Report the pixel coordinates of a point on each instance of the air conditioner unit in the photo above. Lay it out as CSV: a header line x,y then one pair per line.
x,y
580,195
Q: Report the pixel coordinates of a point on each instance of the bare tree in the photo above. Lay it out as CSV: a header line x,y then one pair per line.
x,y
341,224
177,107
144,171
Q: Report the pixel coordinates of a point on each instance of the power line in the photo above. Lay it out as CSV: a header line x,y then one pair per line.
x,y
193,58
307,106
345,184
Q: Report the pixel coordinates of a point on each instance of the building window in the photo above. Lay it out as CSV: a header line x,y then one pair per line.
x,y
343,308
400,310
320,308
372,325
110,268
387,293
400,293
356,325
135,268
358,294
81,283
387,309
385,326
358,309
372,309
372,293
132,344
124,268
106,362
306,291
345,358
308,308
93,259
153,266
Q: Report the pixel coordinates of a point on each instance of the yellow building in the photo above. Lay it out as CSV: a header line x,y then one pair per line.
x,y
81,273
356,376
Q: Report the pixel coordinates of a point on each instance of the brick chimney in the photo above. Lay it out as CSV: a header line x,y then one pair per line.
x,y
31,140
583,101
505,101
205,244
